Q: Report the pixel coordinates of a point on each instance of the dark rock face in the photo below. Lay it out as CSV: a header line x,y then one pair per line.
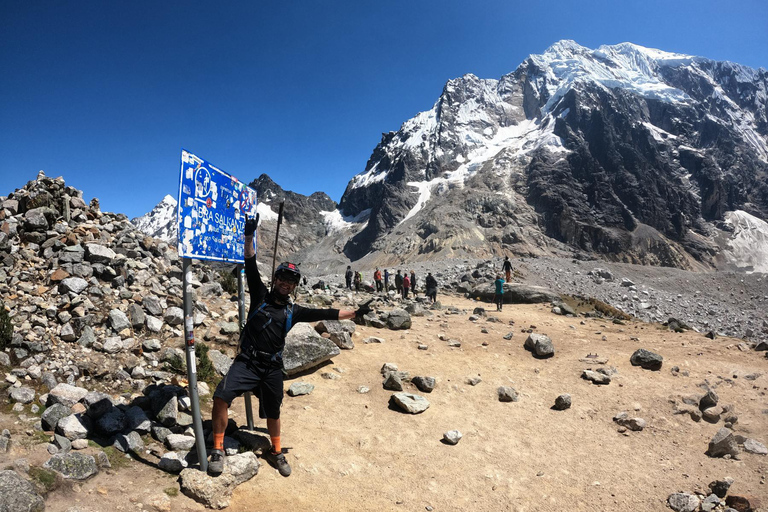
x,y
628,174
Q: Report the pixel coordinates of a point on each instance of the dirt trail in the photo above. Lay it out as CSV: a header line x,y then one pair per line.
x,y
350,451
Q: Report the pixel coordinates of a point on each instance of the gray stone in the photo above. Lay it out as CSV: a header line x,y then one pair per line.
x,y
342,340
129,443
173,462
137,316
300,388
73,284
515,294
68,333
229,328
96,253
756,447
305,349
119,320
53,414
540,345
221,362
137,420
174,316
723,443
165,406
424,384
410,403
507,394
73,466
22,395
634,424
154,324
595,377
74,426
97,404
112,422
63,443
87,337
153,345
66,394
646,359
720,487
562,402
216,492
398,319
17,494
335,326
683,502
393,382
708,400
112,345
373,339
709,503
179,442
452,437
152,305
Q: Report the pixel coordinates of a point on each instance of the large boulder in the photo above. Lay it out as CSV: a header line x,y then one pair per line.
x,y
53,414
398,319
216,492
73,466
540,345
515,294
66,394
74,426
305,349
646,359
96,253
335,326
17,494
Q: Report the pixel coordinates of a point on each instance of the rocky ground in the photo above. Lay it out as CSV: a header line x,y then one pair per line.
x,y
95,409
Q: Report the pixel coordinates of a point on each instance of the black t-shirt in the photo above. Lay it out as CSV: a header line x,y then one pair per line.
x,y
265,330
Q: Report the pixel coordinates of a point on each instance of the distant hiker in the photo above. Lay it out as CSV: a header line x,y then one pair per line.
x,y
413,283
358,280
348,277
406,285
431,284
258,367
498,296
377,279
399,283
386,280
507,268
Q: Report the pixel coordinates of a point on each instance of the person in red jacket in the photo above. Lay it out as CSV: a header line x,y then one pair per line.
x,y
377,279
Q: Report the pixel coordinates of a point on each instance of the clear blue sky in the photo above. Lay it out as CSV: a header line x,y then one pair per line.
x,y
106,93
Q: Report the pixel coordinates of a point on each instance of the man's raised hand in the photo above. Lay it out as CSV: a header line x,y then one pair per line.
x,y
250,225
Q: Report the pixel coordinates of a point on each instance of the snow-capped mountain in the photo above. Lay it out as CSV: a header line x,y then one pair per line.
x,y
160,222
629,152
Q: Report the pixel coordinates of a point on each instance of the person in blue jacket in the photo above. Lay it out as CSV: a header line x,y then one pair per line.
x,y
498,295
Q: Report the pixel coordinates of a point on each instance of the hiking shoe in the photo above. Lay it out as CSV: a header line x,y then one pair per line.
x,y
278,461
216,463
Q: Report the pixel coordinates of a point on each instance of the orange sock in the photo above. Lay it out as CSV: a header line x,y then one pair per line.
x,y
276,444
218,441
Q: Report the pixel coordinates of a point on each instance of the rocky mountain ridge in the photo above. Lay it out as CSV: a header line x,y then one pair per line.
x,y
623,152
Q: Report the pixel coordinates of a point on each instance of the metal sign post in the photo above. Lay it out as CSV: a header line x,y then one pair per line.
x,y
241,313
212,209
189,338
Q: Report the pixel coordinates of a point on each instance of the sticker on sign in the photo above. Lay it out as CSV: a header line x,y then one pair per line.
x,y
213,207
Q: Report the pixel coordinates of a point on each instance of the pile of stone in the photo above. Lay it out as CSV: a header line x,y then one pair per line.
x,y
717,500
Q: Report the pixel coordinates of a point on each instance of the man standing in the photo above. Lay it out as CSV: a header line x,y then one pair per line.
x,y
507,268
413,283
386,281
348,277
258,367
406,284
399,283
431,284
498,295
377,279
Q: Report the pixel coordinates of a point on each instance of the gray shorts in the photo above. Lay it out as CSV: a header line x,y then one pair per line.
x,y
264,382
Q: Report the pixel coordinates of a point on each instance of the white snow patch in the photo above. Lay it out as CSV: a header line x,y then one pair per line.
x,y
265,212
749,242
659,134
335,221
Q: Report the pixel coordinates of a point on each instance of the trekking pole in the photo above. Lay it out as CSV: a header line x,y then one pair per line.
x,y
277,237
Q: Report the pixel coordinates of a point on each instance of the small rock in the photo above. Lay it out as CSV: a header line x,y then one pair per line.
x,y
562,402
507,394
452,437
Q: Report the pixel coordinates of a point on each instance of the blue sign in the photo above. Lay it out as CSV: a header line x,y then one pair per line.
x,y
212,210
